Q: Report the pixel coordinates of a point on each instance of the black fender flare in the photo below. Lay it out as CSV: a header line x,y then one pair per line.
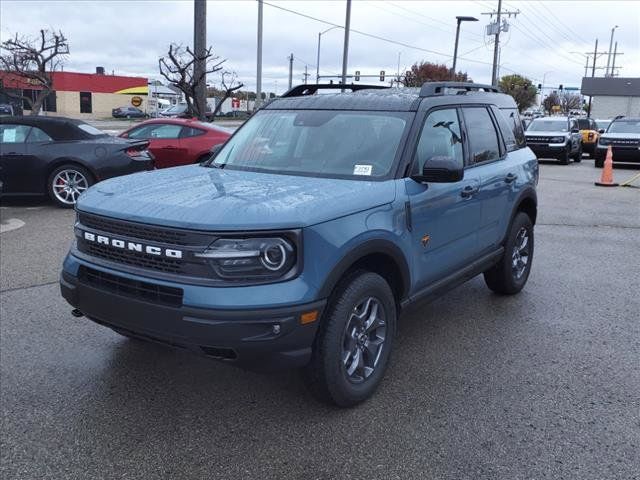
x,y
362,250
528,193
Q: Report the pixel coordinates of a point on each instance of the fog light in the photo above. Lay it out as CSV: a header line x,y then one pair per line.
x,y
276,329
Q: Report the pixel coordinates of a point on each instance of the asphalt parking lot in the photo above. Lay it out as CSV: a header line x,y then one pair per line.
x,y
542,385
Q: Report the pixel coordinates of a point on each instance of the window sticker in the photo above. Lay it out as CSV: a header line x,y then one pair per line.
x,y
362,169
9,135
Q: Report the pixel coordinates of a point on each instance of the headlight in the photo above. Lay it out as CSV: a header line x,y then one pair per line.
x,y
604,141
251,258
558,140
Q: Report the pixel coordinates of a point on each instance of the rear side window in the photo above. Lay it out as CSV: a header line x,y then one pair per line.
x,y
513,118
191,132
483,138
14,133
507,130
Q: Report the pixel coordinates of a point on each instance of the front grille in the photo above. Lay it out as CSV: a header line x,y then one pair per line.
x,y
538,139
131,288
136,230
140,260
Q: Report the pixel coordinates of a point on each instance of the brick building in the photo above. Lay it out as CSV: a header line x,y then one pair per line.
x,y
80,95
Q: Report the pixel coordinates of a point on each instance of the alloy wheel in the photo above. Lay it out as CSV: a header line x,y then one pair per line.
x,y
520,254
363,340
68,185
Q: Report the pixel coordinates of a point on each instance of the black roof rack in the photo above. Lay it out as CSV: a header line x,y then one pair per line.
x,y
311,89
431,89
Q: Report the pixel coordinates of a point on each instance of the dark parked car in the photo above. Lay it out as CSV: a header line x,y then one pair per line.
x,y
6,110
61,157
623,136
128,112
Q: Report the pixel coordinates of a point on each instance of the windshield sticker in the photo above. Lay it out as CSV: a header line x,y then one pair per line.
x,y
362,169
9,135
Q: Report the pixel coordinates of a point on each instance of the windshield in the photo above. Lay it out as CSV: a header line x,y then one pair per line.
x,y
351,144
179,108
548,125
624,126
602,124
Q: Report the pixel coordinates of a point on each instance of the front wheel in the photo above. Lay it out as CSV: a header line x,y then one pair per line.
x,y
510,274
578,156
353,344
565,158
67,183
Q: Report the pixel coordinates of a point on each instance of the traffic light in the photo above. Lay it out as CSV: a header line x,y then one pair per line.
x,y
539,86
357,76
382,75
560,87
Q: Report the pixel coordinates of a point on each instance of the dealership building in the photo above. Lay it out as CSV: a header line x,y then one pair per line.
x,y
612,96
79,95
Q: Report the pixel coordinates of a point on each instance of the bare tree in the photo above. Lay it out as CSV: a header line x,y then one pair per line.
x,y
550,101
178,68
570,102
229,84
34,61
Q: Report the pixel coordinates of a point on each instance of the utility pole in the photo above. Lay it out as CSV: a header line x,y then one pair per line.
x,y
613,63
305,75
259,60
593,74
345,52
613,30
290,70
200,50
494,29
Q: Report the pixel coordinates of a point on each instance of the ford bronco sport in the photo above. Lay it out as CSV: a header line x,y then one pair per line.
x,y
301,240
555,137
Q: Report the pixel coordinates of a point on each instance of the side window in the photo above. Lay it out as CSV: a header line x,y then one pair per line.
x,y
14,133
483,138
141,132
166,131
507,129
191,132
440,137
513,117
37,136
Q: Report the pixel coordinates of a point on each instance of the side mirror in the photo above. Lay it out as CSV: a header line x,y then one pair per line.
x,y
575,130
124,135
440,170
601,130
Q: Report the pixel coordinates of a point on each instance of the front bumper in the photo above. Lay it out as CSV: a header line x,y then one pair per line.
x,y
549,150
257,339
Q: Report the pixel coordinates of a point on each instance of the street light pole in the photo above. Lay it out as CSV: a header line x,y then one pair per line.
x,y
606,72
455,50
345,52
318,56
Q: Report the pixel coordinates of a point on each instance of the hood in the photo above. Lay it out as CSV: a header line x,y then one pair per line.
x,y
196,197
613,136
546,134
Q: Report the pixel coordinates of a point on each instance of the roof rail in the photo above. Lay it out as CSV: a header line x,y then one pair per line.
x,y
430,89
311,89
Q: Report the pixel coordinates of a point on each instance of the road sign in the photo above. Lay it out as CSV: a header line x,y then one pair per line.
x,y
136,101
235,103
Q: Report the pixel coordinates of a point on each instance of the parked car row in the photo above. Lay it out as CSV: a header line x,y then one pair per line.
x,y
61,157
566,138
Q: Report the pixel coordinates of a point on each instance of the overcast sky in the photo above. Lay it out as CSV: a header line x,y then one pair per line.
x,y
127,37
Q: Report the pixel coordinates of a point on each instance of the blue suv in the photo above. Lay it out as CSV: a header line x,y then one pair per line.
x,y
300,241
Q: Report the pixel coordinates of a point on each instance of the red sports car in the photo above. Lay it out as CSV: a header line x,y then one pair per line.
x,y
178,141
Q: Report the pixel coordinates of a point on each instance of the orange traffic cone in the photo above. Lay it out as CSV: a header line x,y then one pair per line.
x,y
606,180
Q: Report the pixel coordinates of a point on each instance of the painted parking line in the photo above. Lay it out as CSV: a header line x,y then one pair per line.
x,y
11,224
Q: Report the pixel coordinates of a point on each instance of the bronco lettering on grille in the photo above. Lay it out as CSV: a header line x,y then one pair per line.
x,y
132,246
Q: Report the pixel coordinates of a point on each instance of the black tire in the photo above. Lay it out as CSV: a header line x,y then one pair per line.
x,y
74,171
599,163
578,156
566,157
335,350
504,278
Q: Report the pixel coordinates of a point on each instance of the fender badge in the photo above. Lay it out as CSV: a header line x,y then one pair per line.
x,y
425,239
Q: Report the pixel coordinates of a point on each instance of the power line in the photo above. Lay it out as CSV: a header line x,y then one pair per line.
x,y
377,37
565,26
414,12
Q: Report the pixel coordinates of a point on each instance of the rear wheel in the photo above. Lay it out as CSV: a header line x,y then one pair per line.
x,y
510,275
67,183
353,344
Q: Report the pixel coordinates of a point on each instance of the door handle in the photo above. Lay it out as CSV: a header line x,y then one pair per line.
x,y
510,178
469,191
